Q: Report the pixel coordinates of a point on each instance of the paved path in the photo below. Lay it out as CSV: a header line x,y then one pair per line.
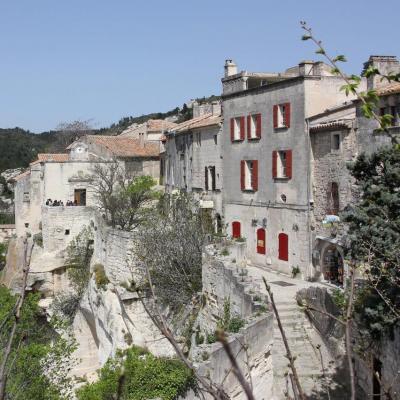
x,y
302,337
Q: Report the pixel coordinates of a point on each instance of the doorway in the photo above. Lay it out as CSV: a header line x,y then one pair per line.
x,y
80,197
333,265
261,241
283,249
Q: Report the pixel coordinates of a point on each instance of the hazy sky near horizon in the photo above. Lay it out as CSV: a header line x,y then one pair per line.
x,y
103,60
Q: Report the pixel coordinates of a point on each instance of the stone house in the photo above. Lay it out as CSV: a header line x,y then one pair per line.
x,y
67,177
337,136
193,159
266,159
150,131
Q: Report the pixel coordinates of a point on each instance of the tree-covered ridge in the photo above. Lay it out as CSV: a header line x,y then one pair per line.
x,y
18,147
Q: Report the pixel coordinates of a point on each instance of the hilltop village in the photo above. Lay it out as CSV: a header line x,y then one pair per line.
x,y
267,166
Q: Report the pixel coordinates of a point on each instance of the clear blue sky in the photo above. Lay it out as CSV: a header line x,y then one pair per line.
x,y
102,60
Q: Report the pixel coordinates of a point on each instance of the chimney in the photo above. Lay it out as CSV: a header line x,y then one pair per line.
x,y
306,68
230,68
385,66
216,108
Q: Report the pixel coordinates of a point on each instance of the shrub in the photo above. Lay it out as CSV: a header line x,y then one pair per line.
x,y
146,377
235,324
224,252
100,276
295,271
211,338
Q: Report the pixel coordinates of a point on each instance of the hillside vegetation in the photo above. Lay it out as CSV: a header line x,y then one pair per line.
x,y
18,147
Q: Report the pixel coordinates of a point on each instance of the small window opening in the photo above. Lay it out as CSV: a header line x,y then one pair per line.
x,y
283,197
67,231
335,144
26,225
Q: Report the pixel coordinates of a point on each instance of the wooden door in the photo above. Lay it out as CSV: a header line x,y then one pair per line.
x,y
261,241
236,229
283,250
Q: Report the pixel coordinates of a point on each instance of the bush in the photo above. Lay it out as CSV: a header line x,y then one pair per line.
x,y
211,338
100,276
235,324
224,252
146,377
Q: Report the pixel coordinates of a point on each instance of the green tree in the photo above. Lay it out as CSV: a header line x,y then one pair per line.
x,y
38,365
374,239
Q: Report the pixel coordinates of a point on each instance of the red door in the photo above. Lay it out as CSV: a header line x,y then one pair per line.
x,y
261,241
283,250
236,229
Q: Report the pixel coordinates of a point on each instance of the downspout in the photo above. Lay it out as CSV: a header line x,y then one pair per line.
x,y
310,270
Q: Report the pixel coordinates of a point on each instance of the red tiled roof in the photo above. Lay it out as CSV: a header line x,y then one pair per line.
x,y
46,157
199,122
158,125
392,88
125,146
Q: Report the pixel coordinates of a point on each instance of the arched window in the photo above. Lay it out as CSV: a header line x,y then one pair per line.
x,y
333,198
283,250
236,229
261,246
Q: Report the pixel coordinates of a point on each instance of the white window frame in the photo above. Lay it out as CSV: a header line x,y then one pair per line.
x,y
236,128
248,174
253,126
281,164
281,117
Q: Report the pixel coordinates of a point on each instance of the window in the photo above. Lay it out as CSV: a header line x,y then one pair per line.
x,y
283,249
80,197
281,115
209,178
67,231
282,164
215,139
382,111
249,175
237,128
236,229
335,141
333,199
254,126
261,241
198,139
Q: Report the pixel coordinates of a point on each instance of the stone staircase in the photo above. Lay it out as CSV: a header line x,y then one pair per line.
x,y
298,332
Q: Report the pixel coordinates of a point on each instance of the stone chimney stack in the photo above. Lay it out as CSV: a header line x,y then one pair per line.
x,y
230,68
306,68
385,65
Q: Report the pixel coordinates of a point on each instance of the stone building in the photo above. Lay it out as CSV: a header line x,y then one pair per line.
x,y
193,158
67,177
266,159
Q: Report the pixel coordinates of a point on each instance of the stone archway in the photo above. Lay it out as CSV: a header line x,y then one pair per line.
x,y
332,263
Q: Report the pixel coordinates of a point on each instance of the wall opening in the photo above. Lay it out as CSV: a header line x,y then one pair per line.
x,y
283,250
261,247
236,229
332,265
80,197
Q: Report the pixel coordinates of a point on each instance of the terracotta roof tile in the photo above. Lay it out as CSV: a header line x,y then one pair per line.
x,y
158,125
125,146
199,122
392,88
46,157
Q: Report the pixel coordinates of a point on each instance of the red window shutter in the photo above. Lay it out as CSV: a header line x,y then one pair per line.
x,y
275,116
258,125
274,164
232,129
249,127
242,128
261,246
236,229
283,251
254,176
289,168
287,115
242,176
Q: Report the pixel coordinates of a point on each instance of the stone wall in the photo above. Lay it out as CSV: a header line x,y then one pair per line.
x,y
225,281
387,353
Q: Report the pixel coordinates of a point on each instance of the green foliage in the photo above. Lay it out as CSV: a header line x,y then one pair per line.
x,y
228,322
211,337
374,238
100,276
235,324
339,298
7,218
295,271
37,367
79,254
225,252
145,377
38,239
6,190
3,255
240,239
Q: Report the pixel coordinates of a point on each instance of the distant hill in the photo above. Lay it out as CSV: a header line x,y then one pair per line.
x,y
18,147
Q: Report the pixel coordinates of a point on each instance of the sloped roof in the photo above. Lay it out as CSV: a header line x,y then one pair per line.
x,y
199,122
20,176
158,125
55,157
125,146
392,88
